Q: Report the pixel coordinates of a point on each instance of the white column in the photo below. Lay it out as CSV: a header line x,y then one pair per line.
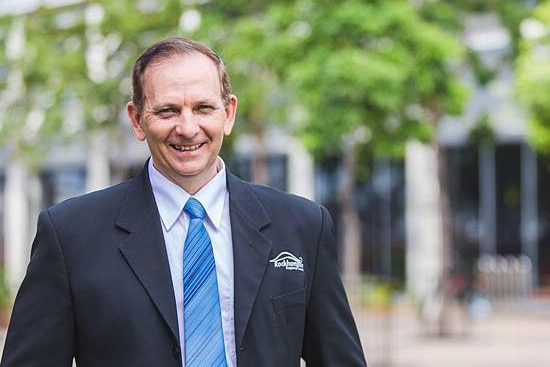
x,y
424,237
301,176
16,224
98,174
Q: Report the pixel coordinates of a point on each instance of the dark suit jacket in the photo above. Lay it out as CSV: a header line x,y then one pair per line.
x,y
98,285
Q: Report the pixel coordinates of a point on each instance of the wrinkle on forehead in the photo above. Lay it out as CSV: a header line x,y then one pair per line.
x,y
174,83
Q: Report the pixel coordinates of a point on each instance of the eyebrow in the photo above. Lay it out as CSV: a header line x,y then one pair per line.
x,y
207,100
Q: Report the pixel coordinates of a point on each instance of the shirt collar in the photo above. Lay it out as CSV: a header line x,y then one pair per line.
x,y
171,198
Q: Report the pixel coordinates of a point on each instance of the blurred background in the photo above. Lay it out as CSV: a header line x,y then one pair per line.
x,y
422,125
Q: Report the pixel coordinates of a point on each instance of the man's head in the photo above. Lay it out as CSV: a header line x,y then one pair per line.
x,y
169,48
183,108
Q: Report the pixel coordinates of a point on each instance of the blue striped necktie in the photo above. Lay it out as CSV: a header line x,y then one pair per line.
x,y
204,345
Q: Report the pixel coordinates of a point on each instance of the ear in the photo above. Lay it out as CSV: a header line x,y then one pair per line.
x,y
135,121
230,113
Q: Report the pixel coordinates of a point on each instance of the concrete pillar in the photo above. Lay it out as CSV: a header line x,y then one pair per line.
x,y
16,210
301,177
16,224
97,162
424,237
98,172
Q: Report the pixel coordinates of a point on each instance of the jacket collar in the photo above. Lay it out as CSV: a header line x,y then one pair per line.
x,y
145,251
144,247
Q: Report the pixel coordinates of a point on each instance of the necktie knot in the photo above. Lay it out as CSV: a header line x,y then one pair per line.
x,y
194,208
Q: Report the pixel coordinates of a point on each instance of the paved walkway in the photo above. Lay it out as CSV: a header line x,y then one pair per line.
x,y
518,336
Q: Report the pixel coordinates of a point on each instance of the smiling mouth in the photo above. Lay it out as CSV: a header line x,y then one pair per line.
x,y
187,148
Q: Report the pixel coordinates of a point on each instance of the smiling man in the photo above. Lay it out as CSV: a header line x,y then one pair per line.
x,y
184,118
184,264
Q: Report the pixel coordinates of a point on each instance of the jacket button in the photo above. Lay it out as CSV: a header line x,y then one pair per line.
x,y
176,351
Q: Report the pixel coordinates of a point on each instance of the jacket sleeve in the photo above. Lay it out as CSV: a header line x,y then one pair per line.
x,y
331,338
41,330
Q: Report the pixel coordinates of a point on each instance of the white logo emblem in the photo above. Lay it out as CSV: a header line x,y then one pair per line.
x,y
288,261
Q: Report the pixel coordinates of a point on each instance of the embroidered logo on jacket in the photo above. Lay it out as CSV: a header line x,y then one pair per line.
x,y
288,261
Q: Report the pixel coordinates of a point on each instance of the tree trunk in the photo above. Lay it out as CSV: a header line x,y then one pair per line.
x,y
446,228
444,209
259,161
260,168
351,226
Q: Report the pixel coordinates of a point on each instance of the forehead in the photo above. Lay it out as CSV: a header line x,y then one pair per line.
x,y
190,73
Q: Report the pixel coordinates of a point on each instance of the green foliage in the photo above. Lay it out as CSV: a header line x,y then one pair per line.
x,y
5,294
533,79
512,13
374,64
76,55
483,73
483,134
450,14
377,294
319,68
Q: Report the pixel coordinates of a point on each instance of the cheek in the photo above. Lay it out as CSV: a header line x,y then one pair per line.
x,y
154,129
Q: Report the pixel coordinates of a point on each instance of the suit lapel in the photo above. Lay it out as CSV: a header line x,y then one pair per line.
x,y
144,248
251,249
145,251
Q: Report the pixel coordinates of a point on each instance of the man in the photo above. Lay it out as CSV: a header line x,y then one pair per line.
x,y
109,280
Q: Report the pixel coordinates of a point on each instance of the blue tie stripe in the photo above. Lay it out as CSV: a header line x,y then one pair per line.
x,y
202,315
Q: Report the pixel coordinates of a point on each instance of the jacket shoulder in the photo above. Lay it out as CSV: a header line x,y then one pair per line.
x,y
95,202
287,207
277,197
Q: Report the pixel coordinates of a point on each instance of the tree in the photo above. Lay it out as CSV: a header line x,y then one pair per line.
x,y
77,59
363,75
453,15
367,75
533,75
74,68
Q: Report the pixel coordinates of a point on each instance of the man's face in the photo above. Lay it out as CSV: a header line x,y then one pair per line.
x,y
184,118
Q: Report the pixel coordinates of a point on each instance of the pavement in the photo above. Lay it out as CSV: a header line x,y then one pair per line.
x,y
515,335
511,336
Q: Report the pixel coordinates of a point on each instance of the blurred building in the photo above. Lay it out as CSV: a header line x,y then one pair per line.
x,y
499,205
496,185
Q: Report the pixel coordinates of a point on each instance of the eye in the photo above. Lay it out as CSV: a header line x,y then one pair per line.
x,y
204,109
167,112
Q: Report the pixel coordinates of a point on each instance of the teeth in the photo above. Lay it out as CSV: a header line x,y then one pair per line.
x,y
185,148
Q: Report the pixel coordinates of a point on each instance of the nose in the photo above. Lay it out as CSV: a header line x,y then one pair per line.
x,y
187,125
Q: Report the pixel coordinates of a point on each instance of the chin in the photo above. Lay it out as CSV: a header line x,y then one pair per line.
x,y
191,171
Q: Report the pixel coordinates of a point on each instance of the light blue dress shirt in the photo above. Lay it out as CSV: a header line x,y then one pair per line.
x,y
214,197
